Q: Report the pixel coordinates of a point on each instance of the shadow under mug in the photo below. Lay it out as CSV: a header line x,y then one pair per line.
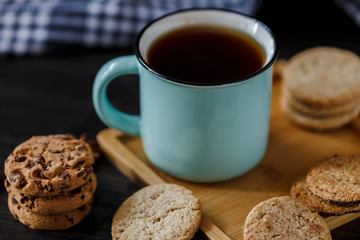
x,y
196,133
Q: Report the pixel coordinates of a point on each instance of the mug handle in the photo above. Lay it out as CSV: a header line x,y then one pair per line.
x,y
106,111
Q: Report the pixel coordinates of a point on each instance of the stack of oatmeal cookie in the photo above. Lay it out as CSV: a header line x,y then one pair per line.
x,y
321,89
50,181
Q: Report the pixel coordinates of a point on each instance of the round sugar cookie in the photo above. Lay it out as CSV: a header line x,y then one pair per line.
x,y
159,211
49,165
323,76
59,221
284,218
316,204
336,179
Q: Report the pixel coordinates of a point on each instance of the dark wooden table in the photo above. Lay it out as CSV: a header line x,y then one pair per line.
x,y
52,94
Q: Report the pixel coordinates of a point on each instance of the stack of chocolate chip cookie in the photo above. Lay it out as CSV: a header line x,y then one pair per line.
x,y
50,181
332,187
321,89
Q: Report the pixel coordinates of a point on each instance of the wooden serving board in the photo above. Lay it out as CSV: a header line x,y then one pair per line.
x,y
291,151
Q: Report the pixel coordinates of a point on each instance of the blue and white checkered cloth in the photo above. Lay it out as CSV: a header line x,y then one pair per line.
x,y
41,26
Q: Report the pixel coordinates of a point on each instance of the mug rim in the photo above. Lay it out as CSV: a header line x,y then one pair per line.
x,y
175,80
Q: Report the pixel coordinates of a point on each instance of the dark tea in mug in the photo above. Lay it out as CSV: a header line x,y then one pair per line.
x,y
205,55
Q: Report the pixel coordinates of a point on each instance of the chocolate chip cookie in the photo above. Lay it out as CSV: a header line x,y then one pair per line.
x,y
54,204
49,165
48,222
50,181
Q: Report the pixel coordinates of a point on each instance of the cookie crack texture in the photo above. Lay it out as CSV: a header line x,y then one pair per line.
x,y
336,179
284,218
161,211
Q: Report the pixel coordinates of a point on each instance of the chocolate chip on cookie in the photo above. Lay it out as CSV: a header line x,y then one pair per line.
x,y
50,181
58,221
54,204
40,165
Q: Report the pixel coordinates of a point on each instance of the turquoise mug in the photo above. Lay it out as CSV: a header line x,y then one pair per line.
x,y
196,133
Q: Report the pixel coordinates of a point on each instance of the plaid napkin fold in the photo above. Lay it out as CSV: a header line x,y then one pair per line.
x,y
40,26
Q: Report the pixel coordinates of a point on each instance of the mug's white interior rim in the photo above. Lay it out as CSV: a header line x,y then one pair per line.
x,y
215,17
